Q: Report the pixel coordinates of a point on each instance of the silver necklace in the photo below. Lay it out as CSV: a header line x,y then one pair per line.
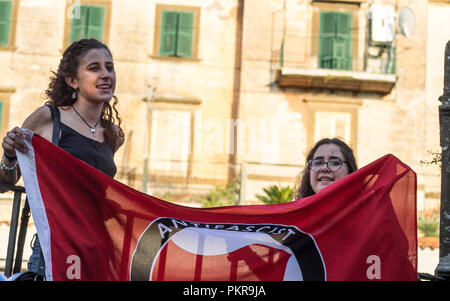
x,y
92,128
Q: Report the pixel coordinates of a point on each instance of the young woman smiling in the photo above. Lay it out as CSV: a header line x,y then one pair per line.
x,y
327,162
78,117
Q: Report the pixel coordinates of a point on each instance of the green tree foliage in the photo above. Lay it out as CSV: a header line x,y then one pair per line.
x,y
428,224
276,195
222,196
436,159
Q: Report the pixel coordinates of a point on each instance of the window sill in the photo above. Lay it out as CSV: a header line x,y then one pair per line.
x,y
355,81
175,58
7,90
8,48
349,1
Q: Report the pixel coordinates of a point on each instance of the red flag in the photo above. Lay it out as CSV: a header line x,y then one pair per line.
x,y
92,227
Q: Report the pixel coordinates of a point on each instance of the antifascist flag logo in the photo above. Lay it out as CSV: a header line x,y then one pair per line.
x,y
173,249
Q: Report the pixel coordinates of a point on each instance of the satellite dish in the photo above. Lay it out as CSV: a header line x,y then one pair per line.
x,y
406,22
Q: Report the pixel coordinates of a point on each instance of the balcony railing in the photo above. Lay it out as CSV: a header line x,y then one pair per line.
x,y
299,64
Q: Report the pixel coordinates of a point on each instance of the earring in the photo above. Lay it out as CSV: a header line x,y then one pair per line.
x,y
74,95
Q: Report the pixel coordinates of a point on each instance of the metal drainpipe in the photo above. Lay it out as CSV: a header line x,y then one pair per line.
x,y
233,157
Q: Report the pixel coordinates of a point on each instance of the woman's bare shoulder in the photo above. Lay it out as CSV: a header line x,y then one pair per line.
x,y
39,120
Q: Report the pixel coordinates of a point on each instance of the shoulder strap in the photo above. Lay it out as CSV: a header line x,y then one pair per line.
x,y
56,120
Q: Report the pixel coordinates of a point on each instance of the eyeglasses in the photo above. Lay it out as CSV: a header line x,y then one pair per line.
x,y
333,164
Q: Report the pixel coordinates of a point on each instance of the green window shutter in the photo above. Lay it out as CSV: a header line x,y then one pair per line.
x,y
326,38
96,21
5,21
335,40
168,41
394,61
79,25
89,25
185,31
343,41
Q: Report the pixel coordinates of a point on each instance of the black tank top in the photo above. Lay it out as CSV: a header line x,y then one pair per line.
x,y
97,154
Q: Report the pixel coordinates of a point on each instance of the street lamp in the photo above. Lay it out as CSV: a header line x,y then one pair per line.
x,y
443,268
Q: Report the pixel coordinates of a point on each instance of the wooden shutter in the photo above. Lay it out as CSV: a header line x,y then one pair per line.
x,y
168,42
342,47
89,25
335,40
95,22
185,31
5,21
79,25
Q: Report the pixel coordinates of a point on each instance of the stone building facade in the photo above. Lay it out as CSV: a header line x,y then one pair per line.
x,y
215,90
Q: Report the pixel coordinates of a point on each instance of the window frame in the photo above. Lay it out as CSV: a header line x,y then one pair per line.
x,y
181,171
158,25
333,105
12,27
357,44
87,27
161,102
336,61
106,20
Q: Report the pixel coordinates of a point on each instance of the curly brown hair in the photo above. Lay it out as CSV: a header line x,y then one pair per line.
x,y
59,92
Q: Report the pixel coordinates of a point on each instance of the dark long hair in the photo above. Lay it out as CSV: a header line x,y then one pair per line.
x,y
303,187
59,92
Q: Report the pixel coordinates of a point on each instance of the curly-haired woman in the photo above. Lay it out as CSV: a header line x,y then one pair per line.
x,y
79,116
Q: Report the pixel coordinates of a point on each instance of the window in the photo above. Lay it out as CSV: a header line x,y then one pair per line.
x,y
170,126
87,19
8,15
336,31
176,34
332,124
5,21
333,117
335,40
89,24
176,31
170,142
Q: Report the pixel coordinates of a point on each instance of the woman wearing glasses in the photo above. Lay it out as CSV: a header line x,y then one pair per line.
x,y
328,161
